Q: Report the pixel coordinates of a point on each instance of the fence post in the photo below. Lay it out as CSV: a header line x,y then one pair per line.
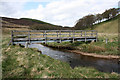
x,y
73,35
43,33
69,33
29,37
96,36
81,33
26,45
91,33
106,40
57,34
60,36
45,37
12,38
85,36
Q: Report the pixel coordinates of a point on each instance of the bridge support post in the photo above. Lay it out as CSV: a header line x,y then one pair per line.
x,y
43,34
29,37
92,34
106,40
85,37
96,39
45,37
60,36
81,33
73,36
26,45
96,36
57,33
69,33
12,38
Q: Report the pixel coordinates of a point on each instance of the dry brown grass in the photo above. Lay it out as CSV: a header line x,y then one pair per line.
x,y
96,49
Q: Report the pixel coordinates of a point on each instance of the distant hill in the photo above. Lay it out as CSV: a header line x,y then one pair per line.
x,y
36,21
29,23
109,26
24,21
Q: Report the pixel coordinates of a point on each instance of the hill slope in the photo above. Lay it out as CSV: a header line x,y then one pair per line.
x,y
109,26
25,21
29,23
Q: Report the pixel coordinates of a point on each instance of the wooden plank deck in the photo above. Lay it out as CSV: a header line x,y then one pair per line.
x,y
51,38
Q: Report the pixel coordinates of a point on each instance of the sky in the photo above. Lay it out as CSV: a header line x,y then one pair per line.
x,y
58,12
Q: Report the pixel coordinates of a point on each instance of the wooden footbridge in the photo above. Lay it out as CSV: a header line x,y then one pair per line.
x,y
53,36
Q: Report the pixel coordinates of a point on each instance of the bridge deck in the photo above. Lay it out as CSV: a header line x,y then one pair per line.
x,y
52,38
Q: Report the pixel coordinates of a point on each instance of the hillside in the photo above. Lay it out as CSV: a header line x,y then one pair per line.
x,y
24,21
109,26
28,23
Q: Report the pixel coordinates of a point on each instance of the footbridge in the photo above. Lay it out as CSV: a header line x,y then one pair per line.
x,y
44,36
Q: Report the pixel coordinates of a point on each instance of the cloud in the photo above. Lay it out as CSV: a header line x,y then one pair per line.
x,y
27,0
65,12
11,9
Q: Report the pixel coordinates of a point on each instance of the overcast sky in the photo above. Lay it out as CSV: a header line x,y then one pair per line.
x,y
59,12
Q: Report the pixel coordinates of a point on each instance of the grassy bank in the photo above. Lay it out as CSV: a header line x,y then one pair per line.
x,y
100,47
109,26
18,62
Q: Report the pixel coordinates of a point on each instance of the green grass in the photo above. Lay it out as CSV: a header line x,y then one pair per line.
x,y
18,62
99,47
109,26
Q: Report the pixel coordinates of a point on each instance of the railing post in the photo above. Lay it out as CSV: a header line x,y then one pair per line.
x,y
26,45
69,33
60,36
85,36
43,34
12,38
29,37
91,33
57,34
73,35
96,36
81,33
45,37
106,40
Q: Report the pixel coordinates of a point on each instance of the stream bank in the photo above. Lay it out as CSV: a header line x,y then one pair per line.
x,y
77,51
76,60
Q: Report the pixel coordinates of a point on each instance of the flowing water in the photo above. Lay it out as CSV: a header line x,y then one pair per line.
x,y
104,65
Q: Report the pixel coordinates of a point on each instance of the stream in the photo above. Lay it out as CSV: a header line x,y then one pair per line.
x,y
103,65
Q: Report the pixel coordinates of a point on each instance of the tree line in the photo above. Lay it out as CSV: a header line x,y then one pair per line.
x,y
89,20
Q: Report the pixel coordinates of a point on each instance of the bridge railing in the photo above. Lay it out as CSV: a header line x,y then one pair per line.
x,y
51,34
